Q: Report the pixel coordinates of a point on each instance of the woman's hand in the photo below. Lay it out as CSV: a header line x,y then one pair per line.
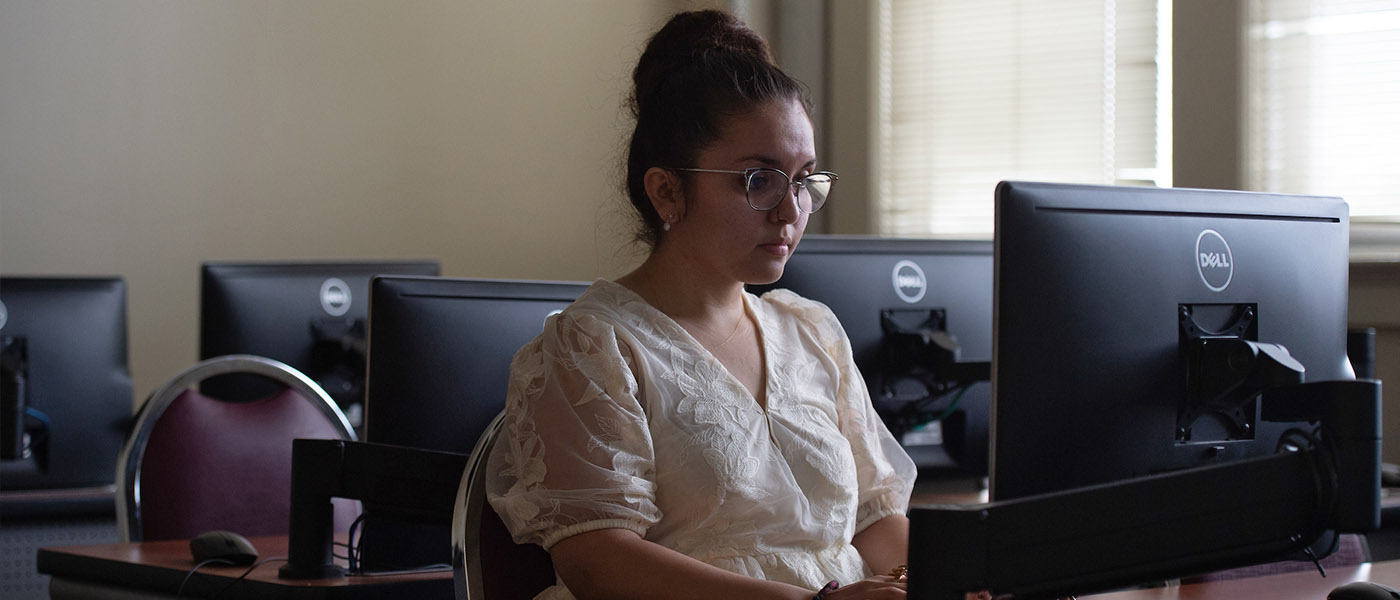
x,y
878,587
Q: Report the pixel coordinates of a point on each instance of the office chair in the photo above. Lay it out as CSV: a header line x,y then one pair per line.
x,y
486,561
191,463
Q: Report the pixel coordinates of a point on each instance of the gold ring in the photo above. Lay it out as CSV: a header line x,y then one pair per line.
x,y
900,573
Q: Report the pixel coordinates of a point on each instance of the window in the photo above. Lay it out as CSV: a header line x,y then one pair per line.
x,y
1324,98
978,91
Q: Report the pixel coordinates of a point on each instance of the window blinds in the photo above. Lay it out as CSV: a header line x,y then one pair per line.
x,y
977,91
1324,96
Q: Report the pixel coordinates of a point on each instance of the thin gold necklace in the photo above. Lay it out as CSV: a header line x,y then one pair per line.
x,y
742,317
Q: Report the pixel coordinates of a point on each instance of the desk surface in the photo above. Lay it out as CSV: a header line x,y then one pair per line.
x,y
160,567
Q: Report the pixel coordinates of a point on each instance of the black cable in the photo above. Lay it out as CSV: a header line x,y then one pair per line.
x,y
915,413
952,406
352,549
1317,562
1324,475
181,591
348,549
247,572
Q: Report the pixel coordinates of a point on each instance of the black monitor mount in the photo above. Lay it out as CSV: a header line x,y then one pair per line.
x,y
409,484
14,396
920,363
24,430
338,359
1227,369
1191,521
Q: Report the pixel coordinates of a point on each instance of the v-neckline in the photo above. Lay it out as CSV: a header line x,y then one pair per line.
x,y
749,311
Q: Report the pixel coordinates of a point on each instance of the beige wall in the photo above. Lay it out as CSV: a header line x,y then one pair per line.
x,y
141,137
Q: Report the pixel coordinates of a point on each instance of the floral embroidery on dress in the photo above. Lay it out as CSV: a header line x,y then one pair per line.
x,y
709,400
702,397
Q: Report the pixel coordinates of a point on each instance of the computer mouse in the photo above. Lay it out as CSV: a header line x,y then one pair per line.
x,y
1363,590
225,545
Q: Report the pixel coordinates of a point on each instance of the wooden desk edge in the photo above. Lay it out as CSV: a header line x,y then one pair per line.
x,y
162,566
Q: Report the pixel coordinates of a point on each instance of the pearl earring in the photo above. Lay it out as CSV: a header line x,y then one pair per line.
x,y
666,224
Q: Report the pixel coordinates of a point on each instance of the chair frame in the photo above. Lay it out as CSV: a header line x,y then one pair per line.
x,y
468,581
129,461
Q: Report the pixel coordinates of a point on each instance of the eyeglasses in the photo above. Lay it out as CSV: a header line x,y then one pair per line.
x,y
766,188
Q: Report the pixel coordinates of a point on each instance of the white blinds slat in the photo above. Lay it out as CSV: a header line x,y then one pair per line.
x,y
984,90
1324,86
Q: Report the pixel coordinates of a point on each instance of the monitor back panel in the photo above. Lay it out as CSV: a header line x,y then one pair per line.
x,y
440,354
77,383
281,310
1090,283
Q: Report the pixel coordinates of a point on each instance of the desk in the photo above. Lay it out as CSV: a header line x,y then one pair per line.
x,y
156,569
1299,585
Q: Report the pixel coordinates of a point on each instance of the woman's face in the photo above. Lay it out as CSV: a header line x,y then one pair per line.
x,y
722,236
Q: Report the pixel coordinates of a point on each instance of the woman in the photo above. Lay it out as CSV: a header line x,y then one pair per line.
x,y
670,435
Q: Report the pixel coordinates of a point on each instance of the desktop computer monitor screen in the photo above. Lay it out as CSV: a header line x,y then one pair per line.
x,y
440,353
919,316
439,363
1135,327
66,400
310,315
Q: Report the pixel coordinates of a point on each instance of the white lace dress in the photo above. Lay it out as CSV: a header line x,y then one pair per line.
x,y
618,418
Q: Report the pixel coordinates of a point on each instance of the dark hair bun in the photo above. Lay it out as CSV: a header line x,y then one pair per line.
x,y
694,40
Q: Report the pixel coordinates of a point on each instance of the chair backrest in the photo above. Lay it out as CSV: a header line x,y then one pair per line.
x,y
486,561
192,463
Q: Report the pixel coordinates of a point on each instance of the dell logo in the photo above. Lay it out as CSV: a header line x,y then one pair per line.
x,y
335,297
1213,260
909,281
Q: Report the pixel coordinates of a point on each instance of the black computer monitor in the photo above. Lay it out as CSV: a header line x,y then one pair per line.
x,y
1171,394
310,315
439,363
66,391
1135,327
440,353
919,316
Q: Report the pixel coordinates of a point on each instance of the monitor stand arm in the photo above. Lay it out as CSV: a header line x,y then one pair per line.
x,y
917,347
391,480
1164,526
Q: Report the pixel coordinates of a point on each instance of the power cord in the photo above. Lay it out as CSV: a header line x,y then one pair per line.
x,y
356,566
352,549
181,592
220,561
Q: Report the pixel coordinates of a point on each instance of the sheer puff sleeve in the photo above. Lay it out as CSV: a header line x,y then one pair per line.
x,y
575,453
